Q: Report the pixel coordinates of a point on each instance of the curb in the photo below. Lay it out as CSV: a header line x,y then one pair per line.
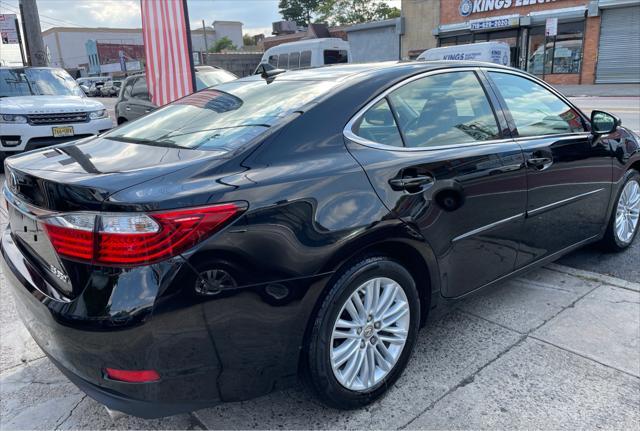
x,y
594,276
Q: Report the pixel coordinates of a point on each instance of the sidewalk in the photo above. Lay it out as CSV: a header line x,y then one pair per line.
x,y
557,348
600,90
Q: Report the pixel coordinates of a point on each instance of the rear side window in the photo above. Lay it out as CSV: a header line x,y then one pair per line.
x,y
333,56
305,59
379,125
444,109
535,110
283,61
294,60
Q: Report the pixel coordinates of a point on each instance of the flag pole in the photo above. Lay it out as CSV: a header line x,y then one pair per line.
x,y
187,26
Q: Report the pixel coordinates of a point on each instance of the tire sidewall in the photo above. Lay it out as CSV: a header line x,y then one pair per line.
x,y
631,175
320,370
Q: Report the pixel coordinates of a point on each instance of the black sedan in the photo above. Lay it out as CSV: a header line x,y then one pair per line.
x,y
301,225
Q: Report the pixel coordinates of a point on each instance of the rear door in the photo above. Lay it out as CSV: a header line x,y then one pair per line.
x,y
438,157
569,173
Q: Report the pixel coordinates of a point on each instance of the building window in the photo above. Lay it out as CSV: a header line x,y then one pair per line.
x,y
562,55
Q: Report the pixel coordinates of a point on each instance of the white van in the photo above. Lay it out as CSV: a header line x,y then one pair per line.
x,y
492,52
306,53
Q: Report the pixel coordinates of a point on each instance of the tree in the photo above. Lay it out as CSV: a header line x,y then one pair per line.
x,y
222,44
300,11
345,12
247,40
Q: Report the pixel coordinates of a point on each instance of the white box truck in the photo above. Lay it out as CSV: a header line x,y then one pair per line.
x,y
492,52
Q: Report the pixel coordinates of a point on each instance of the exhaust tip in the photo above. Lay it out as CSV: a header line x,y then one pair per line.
x,y
114,414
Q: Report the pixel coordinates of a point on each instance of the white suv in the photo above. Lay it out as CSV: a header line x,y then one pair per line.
x,y
41,106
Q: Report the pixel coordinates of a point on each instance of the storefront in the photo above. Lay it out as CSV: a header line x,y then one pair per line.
x,y
568,57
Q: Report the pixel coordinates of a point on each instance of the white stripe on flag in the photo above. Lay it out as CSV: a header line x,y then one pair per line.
x,y
168,61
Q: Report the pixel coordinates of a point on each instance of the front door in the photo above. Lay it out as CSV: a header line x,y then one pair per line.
x,y
569,173
434,151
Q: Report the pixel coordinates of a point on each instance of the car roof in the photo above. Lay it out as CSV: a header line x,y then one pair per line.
x,y
352,70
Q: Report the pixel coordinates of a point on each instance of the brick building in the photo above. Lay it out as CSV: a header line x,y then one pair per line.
x,y
597,41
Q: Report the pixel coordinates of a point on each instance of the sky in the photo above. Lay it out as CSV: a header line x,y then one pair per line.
x,y
256,15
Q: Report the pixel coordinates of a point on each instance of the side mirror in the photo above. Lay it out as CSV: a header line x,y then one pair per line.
x,y
603,122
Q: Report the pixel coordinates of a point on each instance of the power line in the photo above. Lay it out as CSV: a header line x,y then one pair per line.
x,y
16,10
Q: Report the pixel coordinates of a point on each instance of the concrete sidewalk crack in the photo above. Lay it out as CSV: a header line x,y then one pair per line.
x,y
59,424
197,421
523,336
464,382
573,352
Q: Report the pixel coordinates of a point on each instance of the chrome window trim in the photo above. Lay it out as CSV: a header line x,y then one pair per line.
x,y
348,129
350,135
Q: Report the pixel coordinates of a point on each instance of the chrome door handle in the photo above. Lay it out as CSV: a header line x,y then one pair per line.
x,y
412,184
539,163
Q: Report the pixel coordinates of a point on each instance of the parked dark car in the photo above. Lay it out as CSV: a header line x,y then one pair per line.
x,y
134,100
301,225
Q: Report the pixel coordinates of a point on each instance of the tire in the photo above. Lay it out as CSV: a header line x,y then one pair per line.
x,y
612,241
319,371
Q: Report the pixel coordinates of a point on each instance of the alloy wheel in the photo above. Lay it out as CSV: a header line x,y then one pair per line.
x,y
628,212
369,334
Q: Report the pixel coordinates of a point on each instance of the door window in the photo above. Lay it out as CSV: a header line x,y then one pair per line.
x,y
305,59
333,56
140,90
444,109
126,93
283,61
379,125
294,60
535,110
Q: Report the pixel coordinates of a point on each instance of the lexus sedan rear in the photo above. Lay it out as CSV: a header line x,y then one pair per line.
x,y
301,225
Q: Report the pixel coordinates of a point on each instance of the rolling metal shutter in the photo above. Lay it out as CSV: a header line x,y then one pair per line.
x,y
618,53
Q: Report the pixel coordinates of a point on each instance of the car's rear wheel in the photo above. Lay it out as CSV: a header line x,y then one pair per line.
x,y
364,333
625,219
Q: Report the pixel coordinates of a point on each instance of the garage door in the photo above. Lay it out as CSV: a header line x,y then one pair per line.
x,y
618,53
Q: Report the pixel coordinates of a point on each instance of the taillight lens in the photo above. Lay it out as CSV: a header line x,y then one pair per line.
x,y
123,239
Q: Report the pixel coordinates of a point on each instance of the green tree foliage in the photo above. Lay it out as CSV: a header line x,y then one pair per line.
x,y
344,12
222,44
248,40
300,11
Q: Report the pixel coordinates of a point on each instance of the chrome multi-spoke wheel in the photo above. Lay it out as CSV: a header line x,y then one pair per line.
x,y
628,212
369,334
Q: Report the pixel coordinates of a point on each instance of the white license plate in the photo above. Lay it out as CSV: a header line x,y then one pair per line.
x,y
61,132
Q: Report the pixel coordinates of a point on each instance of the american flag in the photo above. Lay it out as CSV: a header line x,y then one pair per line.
x,y
166,46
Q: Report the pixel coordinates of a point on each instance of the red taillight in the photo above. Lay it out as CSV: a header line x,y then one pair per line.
x,y
131,376
135,239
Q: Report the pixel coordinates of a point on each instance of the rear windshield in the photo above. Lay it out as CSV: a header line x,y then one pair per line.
x,y
210,78
223,118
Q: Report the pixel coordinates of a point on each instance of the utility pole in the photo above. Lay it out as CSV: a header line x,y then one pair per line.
x,y
36,53
204,29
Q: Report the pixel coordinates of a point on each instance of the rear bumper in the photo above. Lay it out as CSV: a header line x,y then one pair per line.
x,y
82,346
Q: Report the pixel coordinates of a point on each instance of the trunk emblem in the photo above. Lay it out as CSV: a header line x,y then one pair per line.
x,y
58,273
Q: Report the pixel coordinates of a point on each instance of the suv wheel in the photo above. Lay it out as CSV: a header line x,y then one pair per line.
x,y
364,333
